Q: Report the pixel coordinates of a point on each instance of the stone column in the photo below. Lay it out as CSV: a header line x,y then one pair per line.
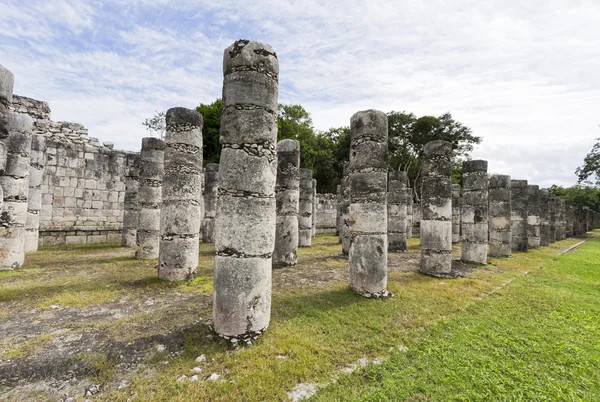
x,y
436,205
211,181
147,238
552,203
246,212
346,240
288,203
305,209
338,215
569,219
7,81
15,186
500,216
34,201
533,216
580,219
544,214
519,214
181,209
474,216
130,205
456,213
396,209
315,200
409,213
368,218
561,222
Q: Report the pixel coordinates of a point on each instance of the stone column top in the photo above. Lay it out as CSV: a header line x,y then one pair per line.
x,y
180,116
7,82
20,123
438,148
474,166
500,181
211,167
399,175
153,143
306,173
518,183
288,145
370,123
245,55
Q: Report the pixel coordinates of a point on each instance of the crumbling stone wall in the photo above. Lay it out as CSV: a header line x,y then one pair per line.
x,y
83,186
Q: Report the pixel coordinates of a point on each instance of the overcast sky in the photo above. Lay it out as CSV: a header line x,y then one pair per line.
x,y
525,75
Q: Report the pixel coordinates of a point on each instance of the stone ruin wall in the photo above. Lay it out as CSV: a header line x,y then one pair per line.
x,y
83,187
326,213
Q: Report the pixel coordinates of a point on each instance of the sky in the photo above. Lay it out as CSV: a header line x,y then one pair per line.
x,y
524,75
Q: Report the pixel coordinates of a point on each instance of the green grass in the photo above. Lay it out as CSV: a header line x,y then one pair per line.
x,y
92,274
320,331
535,340
319,327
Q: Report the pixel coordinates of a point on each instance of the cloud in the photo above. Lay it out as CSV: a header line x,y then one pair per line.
x,y
521,74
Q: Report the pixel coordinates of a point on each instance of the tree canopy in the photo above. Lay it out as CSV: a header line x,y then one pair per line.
x,y
326,152
591,165
584,195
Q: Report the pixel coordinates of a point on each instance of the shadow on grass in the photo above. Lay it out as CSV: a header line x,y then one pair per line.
x,y
288,306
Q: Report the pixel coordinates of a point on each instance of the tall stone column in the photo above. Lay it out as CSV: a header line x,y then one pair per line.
x,y
533,216
544,221
147,238
314,209
456,213
181,209
368,217
409,213
500,216
346,240
338,214
211,181
131,208
34,198
15,186
288,203
561,222
474,216
579,220
519,214
305,209
7,81
396,209
246,210
569,217
436,205
552,218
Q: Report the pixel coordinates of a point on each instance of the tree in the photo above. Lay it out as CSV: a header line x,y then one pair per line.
x,y
211,114
591,165
317,148
156,124
584,195
407,136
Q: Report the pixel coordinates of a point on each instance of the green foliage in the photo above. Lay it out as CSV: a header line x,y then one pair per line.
x,y
156,124
326,152
584,195
211,114
407,136
591,165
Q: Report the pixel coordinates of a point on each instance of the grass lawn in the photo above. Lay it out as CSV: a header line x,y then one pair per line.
x,y
496,334
535,340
